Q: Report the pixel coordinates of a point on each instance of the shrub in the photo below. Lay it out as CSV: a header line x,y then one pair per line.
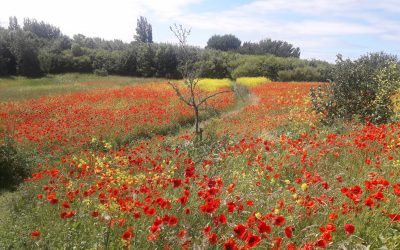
x,y
249,67
13,166
299,74
101,72
361,89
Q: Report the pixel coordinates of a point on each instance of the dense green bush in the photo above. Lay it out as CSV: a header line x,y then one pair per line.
x,y
299,74
216,64
360,89
14,166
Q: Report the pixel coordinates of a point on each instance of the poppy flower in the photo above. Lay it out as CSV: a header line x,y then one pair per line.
x,y
95,214
253,240
394,217
263,227
330,227
127,234
230,245
35,234
289,231
181,233
213,239
240,231
279,220
321,243
369,203
231,207
176,183
349,228
65,204
172,221
207,230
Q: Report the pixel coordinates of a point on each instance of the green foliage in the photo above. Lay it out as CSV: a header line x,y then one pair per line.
x,y
361,89
101,72
144,32
299,74
45,61
13,23
224,43
41,29
25,48
272,47
216,64
145,60
166,61
40,49
77,50
13,165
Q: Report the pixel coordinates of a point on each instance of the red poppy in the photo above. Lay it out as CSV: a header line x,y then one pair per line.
x,y
241,231
181,233
289,231
279,220
349,228
128,234
65,204
182,200
263,227
231,206
321,243
213,239
172,221
394,217
150,211
94,214
369,203
330,227
230,245
207,230
176,183
35,234
253,240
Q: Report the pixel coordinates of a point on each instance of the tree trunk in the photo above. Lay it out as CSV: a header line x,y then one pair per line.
x,y
196,121
199,131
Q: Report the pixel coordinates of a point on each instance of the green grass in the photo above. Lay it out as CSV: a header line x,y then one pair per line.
x,y
4,201
21,88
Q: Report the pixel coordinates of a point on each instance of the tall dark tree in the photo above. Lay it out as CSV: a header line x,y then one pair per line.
x,y
144,31
13,24
25,48
225,42
41,29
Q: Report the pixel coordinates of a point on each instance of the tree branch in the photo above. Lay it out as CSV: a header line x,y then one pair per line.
x,y
211,96
179,94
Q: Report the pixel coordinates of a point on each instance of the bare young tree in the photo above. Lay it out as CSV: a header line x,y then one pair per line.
x,y
190,93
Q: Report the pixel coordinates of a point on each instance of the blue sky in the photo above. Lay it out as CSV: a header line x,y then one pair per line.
x,y
321,28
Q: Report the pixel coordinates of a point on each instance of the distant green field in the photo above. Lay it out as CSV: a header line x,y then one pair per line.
x,y
19,88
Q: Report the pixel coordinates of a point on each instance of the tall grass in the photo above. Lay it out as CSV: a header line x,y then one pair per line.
x,y
20,88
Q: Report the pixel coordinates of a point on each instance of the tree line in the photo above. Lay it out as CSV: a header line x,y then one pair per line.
x,y
264,47
35,48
